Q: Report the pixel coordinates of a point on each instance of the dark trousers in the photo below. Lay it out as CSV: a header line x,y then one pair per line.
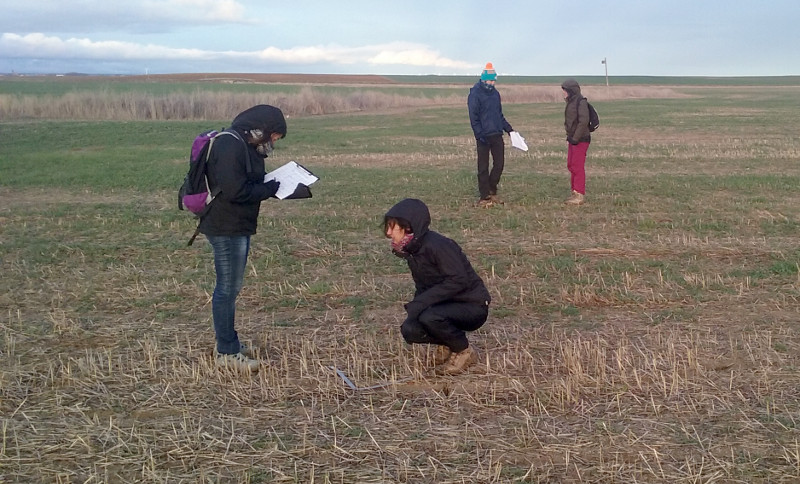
x,y
445,324
488,180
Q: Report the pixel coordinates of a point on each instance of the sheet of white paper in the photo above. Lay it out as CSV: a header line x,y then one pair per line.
x,y
290,175
517,141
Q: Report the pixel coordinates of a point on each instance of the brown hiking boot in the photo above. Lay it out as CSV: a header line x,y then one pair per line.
x,y
496,200
576,198
484,203
459,362
441,355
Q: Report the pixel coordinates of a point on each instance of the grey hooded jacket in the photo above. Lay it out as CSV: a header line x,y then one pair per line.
x,y
576,114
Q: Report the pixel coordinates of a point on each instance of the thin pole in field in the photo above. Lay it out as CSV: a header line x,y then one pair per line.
x,y
605,64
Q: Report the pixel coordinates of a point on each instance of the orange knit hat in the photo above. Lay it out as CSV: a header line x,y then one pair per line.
x,y
488,73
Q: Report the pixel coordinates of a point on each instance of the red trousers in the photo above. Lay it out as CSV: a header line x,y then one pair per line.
x,y
576,164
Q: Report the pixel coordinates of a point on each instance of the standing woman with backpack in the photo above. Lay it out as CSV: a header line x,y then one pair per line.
x,y
576,124
236,171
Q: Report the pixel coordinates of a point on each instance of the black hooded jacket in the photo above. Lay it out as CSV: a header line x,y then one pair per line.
x,y
234,212
439,267
576,114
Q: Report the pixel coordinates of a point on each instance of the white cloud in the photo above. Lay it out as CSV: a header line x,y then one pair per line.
x,y
40,46
43,47
305,55
136,16
217,11
414,55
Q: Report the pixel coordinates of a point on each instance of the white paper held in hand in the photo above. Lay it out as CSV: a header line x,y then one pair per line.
x,y
517,141
290,175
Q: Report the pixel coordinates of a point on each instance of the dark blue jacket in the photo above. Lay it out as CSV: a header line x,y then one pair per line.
x,y
486,111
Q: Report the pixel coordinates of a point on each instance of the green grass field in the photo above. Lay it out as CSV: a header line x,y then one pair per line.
x,y
649,335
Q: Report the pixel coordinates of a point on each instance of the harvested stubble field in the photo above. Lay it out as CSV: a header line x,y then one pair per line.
x,y
650,335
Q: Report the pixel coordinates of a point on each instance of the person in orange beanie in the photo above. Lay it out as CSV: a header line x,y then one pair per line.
x,y
488,124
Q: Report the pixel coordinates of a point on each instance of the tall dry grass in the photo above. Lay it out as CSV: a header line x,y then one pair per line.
x,y
206,105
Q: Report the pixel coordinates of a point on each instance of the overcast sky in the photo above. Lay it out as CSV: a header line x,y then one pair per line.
x,y
523,37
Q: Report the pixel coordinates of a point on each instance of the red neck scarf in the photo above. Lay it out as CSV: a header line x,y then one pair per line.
x,y
401,246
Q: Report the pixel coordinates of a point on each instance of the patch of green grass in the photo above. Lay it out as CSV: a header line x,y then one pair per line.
x,y
784,268
570,310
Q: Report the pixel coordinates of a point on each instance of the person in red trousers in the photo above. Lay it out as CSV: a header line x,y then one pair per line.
x,y
576,124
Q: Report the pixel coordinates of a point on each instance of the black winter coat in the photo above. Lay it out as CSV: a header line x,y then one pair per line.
x,y
234,211
440,270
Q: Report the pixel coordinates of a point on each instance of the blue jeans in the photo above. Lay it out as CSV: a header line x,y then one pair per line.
x,y
230,261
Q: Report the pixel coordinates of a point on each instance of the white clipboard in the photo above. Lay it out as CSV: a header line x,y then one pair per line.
x,y
290,176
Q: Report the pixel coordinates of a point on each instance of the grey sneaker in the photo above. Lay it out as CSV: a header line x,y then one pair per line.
x,y
247,350
236,361
244,349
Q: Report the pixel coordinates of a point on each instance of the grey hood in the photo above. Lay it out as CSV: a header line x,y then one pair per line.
x,y
572,87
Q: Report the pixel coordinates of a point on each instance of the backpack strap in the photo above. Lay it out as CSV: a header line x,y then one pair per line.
x,y
194,235
248,162
578,109
578,104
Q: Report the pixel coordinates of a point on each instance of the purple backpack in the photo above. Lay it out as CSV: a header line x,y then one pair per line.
x,y
195,194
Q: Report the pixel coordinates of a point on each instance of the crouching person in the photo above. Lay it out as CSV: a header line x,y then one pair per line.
x,y
450,298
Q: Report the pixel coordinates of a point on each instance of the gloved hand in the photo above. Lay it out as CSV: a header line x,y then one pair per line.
x,y
510,129
482,140
272,187
571,141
